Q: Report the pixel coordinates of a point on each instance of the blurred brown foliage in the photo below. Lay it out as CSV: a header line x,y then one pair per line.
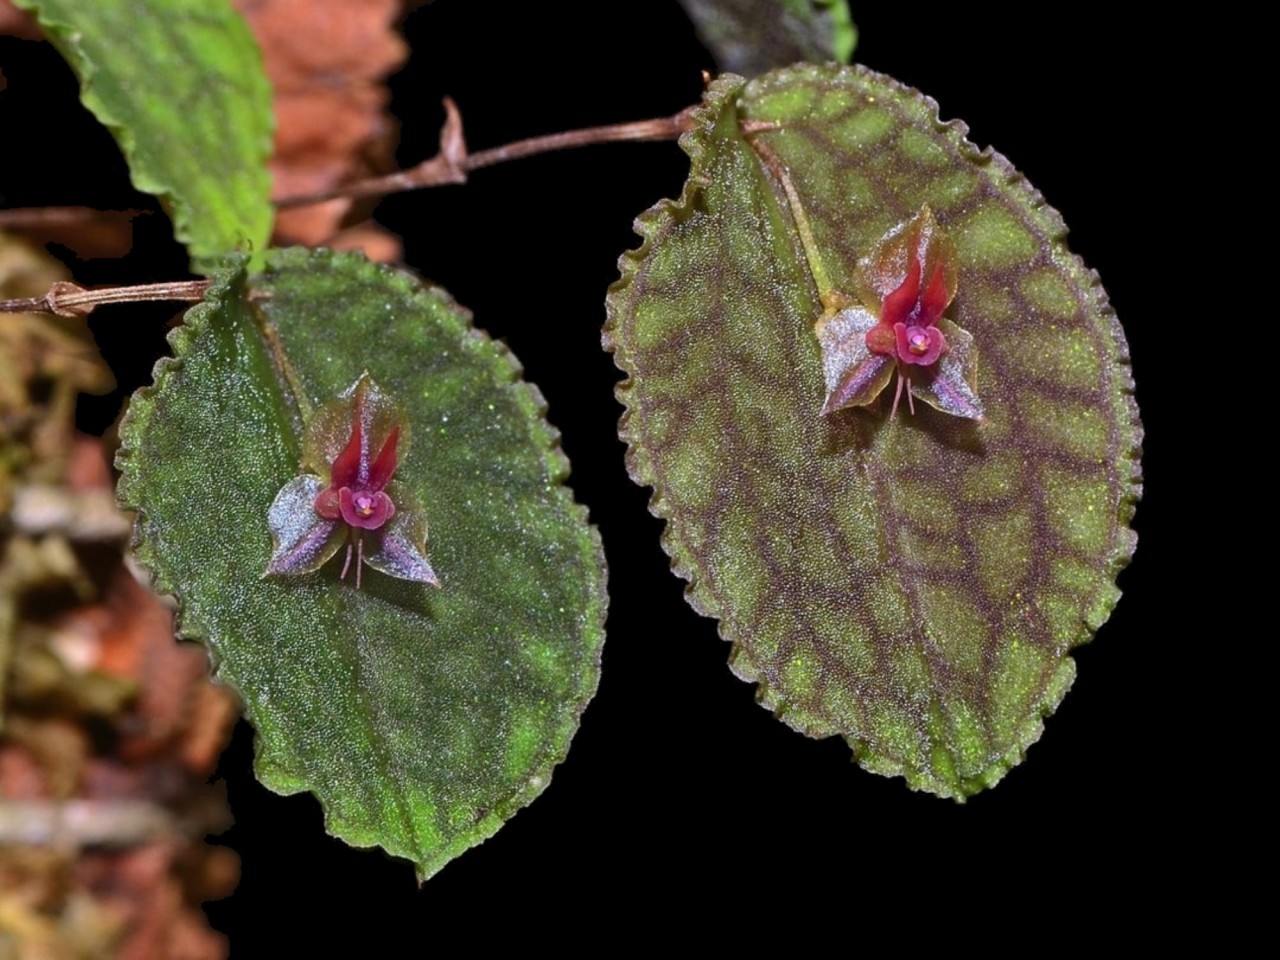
x,y
327,60
16,23
109,730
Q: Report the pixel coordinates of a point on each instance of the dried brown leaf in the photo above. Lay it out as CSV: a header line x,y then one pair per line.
x,y
16,23
326,60
100,837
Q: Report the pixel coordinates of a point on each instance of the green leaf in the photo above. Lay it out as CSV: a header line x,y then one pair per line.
x,y
752,36
422,717
181,86
914,583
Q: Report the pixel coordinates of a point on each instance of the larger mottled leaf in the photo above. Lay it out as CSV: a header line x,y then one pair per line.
x,y
181,86
422,717
912,583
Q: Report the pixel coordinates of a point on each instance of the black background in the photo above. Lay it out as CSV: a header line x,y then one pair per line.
x,y
681,794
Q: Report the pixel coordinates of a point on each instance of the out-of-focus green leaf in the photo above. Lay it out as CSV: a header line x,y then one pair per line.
x,y
913,584
180,84
752,36
422,717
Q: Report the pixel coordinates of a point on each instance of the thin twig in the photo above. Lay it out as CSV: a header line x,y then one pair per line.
x,y
71,300
450,165
22,218
453,162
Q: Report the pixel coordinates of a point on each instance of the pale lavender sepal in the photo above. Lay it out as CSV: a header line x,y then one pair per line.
x,y
949,385
303,539
400,548
854,375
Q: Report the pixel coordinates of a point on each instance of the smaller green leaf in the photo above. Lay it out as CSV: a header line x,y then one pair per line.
x,y
753,36
422,716
181,86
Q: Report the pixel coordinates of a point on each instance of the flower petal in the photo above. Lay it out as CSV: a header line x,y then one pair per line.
x,y
900,303
384,468
330,431
883,271
854,375
400,549
349,464
949,384
303,539
911,275
941,275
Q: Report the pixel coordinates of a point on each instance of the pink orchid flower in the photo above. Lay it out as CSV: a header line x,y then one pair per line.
x,y
905,285
357,441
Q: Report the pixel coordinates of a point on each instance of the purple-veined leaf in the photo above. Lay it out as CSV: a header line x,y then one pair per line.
x,y
911,583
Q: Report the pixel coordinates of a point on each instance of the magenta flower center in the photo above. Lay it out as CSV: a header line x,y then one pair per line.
x,y
917,340
364,509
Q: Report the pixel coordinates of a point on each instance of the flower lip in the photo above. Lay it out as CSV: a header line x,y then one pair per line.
x,y
368,511
919,345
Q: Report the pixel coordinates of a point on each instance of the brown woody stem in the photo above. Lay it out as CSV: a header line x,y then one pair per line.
x,y
452,163
22,218
69,300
